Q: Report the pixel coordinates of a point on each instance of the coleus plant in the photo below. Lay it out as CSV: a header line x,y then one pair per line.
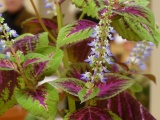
x,y
89,72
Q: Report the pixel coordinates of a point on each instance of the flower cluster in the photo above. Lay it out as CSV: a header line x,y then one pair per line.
x,y
140,53
2,45
99,56
6,28
50,6
7,32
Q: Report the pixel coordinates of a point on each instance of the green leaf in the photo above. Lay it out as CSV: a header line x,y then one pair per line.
x,y
46,50
135,2
78,31
43,40
54,64
40,102
21,56
114,116
23,35
2,56
90,7
136,87
87,94
55,54
33,117
134,31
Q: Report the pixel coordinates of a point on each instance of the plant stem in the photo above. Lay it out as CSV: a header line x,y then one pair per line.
x,y
59,16
82,15
66,59
59,113
41,22
71,104
58,73
17,61
60,25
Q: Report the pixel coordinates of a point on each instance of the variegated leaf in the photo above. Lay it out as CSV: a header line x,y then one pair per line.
x,y
75,32
114,85
6,64
40,102
29,43
135,2
135,23
37,68
10,81
69,85
76,69
87,94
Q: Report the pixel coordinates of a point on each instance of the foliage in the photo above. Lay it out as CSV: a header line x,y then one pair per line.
x,y
102,83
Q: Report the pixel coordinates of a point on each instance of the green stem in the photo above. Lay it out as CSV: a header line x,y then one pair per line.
x,y
60,25
82,15
18,62
71,104
58,73
59,113
65,59
59,16
41,22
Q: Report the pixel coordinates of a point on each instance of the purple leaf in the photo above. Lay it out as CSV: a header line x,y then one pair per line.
x,y
78,52
125,106
6,64
33,26
76,69
42,101
114,85
92,113
9,83
69,85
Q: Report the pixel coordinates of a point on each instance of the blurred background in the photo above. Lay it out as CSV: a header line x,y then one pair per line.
x,y
151,93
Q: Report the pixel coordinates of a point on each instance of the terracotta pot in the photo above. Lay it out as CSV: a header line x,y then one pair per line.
x,y
15,113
